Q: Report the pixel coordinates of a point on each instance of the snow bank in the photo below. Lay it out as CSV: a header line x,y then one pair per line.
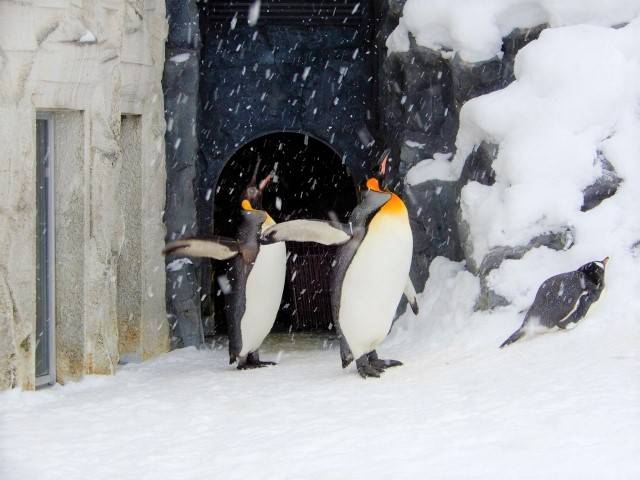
x,y
575,99
475,29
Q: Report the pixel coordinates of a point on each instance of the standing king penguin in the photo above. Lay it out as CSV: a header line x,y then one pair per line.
x,y
256,276
371,270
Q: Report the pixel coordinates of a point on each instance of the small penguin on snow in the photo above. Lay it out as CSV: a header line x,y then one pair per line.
x,y
563,300
371,271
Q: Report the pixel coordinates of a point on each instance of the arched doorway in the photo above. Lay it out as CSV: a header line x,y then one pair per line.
x,y
310,181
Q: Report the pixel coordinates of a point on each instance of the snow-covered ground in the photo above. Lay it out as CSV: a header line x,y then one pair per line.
x,y
562,405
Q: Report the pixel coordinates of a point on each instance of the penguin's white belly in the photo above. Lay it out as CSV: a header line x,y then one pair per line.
x,y
263,295
374,282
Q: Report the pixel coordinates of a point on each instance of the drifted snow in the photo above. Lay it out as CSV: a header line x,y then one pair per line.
x,y
475,29
575,95
561,405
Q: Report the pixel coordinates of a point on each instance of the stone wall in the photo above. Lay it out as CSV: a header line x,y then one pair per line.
x,y
422,92
90,62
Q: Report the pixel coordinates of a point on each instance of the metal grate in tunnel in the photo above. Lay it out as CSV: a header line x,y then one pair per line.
x,y
291,12
309,284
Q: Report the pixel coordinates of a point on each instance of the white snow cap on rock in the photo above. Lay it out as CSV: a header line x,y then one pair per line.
x,y
475,28
576,94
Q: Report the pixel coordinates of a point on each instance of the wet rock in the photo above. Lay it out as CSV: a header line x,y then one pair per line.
x,y
604,187
432,209
479,165
181,85
488,299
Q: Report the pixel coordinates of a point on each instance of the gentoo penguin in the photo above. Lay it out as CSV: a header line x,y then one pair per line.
x,y
256,276
563,300
371,270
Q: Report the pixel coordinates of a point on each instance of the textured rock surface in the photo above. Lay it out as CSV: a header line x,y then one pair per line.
x,y
603,188
96,61
422,93
180,84
432,209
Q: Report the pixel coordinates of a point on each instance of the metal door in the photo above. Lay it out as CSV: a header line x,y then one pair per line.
x,y
45,252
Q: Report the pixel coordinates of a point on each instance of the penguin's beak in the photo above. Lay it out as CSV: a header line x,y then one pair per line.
x,y
265,181
384,164
605,261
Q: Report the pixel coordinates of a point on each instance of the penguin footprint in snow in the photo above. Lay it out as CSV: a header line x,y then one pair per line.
x,y
563,300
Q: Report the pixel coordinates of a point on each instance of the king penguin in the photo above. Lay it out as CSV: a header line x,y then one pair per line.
x,y
256,276
563,300
371,271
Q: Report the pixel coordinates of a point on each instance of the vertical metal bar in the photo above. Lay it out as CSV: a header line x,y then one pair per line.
x,y
51,251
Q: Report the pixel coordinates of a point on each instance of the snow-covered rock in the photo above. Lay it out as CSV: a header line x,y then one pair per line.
x,y
475,29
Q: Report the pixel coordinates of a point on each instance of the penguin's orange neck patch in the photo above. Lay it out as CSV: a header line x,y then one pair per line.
x,y
395,206
246,205
373,184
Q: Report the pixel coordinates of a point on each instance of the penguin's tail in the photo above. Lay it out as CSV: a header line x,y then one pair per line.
x,y
515,336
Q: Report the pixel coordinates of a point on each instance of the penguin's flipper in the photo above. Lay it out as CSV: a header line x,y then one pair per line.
x,y
318,231
410,293
579,310
515,336
219,248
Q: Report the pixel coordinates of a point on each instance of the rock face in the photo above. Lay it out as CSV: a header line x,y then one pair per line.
x,y
604,187
180,85
96,66
421,96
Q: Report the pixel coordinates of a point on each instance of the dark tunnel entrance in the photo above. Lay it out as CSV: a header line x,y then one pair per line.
x,y
310,181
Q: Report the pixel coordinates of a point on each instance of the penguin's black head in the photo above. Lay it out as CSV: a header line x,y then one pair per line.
x,y
254,190
594,271
379,171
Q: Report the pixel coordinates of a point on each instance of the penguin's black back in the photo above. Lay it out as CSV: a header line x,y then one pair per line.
x,y
561,296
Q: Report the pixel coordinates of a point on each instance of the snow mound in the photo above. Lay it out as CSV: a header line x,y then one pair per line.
x,y
575,100
572,114
475,29
436,168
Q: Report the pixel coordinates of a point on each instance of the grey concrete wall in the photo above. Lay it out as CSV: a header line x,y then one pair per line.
x,y
70,215
129,280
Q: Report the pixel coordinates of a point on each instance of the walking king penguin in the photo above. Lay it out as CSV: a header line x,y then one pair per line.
x,y
256,276
563,300
371,271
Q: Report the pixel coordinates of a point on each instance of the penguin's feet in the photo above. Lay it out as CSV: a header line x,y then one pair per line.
x,y
384,364
253,361
249,366
381,364
366,369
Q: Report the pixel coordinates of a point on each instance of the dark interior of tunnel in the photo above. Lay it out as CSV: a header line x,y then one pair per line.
x,y
310,182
